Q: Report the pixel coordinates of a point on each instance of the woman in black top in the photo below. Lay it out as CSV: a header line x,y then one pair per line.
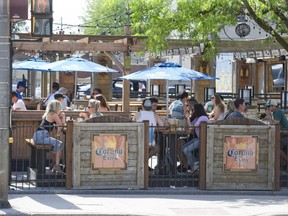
x,y
52,119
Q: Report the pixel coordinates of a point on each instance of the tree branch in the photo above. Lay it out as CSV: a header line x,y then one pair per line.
x,y
277,12
265,26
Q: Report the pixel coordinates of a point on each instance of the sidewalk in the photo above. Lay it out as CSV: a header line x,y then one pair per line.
x,y
168,203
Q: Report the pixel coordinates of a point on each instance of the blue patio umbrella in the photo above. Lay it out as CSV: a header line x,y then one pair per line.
x,y
168,71
75,64
29,64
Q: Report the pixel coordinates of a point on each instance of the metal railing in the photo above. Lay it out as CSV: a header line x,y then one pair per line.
x,y
167,169
31,165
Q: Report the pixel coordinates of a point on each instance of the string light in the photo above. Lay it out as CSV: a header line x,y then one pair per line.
x,y
108,28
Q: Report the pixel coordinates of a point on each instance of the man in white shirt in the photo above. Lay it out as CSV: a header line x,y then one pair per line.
x,y
63,92
154,120
18,104
55,88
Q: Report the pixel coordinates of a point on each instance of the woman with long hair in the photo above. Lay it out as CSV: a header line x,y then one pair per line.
x,y
218,110
104,107
52,119
190,147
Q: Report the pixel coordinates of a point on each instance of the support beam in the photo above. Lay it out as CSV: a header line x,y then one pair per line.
x,y
74,46
116,61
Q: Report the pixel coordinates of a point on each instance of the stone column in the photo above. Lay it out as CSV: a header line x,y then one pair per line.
x,y
5,100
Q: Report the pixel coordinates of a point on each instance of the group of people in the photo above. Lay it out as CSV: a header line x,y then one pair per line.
x,y
186,109
188,112
54,117
96,105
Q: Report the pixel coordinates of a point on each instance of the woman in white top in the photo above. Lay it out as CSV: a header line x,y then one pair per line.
x,y
218,110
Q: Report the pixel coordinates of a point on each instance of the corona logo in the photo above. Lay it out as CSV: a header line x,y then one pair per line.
x,y
241,146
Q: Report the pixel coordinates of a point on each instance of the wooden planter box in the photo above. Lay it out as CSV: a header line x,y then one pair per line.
x,y
240,155
108,155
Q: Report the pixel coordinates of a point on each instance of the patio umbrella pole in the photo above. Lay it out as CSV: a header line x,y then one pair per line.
x,y
167,98
75,89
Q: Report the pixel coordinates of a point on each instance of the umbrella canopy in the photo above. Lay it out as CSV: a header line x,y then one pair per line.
x,y
74,64
168,71
29,64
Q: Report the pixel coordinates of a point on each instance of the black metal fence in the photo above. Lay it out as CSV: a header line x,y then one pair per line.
x,y
170,167
31,165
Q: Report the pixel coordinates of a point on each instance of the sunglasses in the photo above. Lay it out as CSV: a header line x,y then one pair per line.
x,y
212,97
90,107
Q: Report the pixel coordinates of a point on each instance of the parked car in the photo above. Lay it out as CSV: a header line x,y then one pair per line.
x,y
137,88
278,76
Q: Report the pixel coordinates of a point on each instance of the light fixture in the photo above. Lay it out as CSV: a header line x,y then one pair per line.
x,y
250,60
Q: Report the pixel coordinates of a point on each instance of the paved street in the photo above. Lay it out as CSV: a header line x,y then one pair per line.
x,y
169,204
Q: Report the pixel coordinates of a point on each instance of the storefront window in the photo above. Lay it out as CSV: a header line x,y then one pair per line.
x,y
278,77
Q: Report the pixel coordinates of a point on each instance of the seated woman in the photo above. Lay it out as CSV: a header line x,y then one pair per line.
x,y
52,119
93,109
190,147
217,113
184,167
103,104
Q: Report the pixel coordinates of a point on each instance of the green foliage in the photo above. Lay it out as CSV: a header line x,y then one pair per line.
x,y
198,20
106,17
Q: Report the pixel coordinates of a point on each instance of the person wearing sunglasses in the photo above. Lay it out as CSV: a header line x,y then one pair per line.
x,y
93,109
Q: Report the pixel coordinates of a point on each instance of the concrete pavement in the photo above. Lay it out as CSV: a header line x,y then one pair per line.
x,y
143,203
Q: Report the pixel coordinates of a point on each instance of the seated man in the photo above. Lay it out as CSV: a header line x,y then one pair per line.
x,y
275,115
148,114
240,107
